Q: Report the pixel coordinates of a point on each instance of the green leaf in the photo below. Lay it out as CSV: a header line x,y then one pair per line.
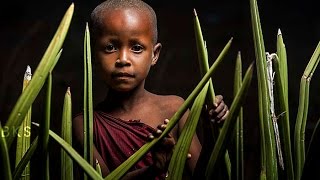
x,y
98,168
228,125
239,124
24,133
88,101
46,64
91,172
179,156
282,105
66,134
268,146
4,157
299,135
25,159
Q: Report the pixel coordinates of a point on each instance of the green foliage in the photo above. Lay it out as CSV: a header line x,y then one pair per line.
x,y
294,163
268,132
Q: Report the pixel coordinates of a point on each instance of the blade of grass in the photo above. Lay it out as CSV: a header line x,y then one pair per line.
x,y
45,126
25,159
268,151
178,159
24,133
46,64
228,125
281,93
88,97
299,135
85,103
90,100
283,117
44,132
204,67
239,124
202,55
98,168
282,55
125,166
91,172
4,157
66,134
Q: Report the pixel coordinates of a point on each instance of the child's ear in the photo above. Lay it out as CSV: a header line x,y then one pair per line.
x,y
156,52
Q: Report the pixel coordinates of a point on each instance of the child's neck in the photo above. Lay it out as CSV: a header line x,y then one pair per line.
x,y
126,101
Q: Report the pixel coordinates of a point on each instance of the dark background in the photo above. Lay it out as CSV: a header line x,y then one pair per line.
x,y
28,26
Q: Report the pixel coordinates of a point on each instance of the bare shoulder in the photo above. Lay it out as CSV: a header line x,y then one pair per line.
x,y
169,103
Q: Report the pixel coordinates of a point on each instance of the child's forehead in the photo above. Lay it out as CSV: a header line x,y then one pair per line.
x,y
127,17
128,22
126,10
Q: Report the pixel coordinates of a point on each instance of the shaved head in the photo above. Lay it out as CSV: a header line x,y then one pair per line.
x,y
102,10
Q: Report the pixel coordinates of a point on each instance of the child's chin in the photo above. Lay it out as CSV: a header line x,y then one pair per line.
x,y
123,89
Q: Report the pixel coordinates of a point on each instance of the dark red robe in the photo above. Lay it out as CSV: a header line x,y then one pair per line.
x,y
116,140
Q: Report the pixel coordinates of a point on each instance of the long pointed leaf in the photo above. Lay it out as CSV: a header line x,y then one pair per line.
x,y
85,103
283,111
24,133
268,151
239,126
47,62
228,126
4,157
299,135
25,159
88,107
91,172
204,67
66,131
179,156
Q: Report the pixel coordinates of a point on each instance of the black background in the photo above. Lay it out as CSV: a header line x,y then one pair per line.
x,y
28,26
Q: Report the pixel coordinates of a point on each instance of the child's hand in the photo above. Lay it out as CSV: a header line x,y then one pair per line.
x,y
219,112
162,152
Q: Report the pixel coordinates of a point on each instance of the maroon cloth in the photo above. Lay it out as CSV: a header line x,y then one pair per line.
x,y
116,140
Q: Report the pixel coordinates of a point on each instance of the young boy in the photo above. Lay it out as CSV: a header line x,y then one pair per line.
x,y
124,42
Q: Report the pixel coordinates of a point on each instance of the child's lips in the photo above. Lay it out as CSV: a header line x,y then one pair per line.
x,y
121,75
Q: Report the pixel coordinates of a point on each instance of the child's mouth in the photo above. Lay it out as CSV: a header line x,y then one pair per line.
x,y
122,75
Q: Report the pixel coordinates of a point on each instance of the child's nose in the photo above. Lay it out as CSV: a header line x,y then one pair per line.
x,y
123,59
123,55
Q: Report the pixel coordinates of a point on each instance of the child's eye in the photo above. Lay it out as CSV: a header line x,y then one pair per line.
x,y
110,48
137,48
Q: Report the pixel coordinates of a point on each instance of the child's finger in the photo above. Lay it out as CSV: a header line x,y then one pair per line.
x,y
158,132
222,112
224,117
218,100
219,109
162,127
151,136
188,156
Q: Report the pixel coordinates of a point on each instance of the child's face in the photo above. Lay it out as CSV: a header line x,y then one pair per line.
x,y
125,49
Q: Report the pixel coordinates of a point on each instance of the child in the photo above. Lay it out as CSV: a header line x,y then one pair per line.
x,y
124,42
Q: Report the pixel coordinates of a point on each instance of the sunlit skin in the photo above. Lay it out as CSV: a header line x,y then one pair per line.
x,y
125,51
